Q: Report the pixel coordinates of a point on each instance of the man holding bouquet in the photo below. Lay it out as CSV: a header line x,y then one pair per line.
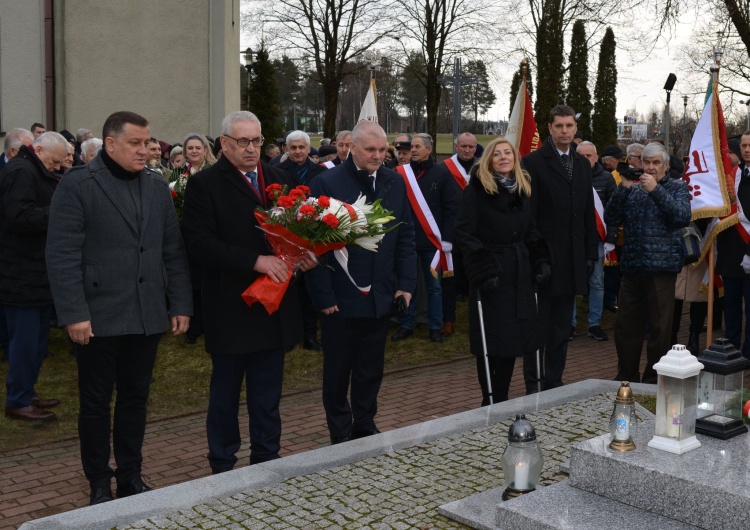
x,y
245,343
357,289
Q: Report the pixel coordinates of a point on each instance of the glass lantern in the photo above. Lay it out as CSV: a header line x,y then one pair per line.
x,y
676,400
622,425
522,460
719,412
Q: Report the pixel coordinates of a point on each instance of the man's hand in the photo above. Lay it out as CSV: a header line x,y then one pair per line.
x,y
330,310
273,267
407,296
80,332
309,262
648,182
180,324
746,264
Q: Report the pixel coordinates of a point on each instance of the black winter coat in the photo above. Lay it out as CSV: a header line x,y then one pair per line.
x,y
26,189
497,237
222,236
442,193
563,211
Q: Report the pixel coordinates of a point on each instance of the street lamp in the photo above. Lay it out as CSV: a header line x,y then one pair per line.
x,y
294,111
747,102
685,145
248,56
668,86
635,107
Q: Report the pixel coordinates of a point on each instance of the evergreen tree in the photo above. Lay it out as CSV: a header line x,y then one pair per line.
x,y
604,121
413,93
480,95
549,63
264,98
579,96
516,84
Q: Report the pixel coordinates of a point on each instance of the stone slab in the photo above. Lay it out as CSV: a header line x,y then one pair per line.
x,y
708,487
185,496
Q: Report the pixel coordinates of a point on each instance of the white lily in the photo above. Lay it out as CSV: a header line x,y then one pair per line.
x,y
369,242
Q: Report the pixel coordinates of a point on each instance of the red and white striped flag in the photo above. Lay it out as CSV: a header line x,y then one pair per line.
x,y
522,131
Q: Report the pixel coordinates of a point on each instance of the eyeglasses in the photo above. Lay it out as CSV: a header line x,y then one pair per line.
x,y
244,142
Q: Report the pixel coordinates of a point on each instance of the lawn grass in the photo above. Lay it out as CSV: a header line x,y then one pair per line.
x,y
181,378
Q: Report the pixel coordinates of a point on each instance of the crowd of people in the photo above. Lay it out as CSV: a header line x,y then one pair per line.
x,y
90,239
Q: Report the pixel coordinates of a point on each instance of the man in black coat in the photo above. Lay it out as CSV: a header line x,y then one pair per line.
x,y
433,198
302,169
562,206
26,188
356,288
245,343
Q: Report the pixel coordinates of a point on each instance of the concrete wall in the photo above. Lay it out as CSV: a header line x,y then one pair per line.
x,y
22,63
176,62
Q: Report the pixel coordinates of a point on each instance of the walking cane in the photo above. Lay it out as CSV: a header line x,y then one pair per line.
x,y
538,354
484,345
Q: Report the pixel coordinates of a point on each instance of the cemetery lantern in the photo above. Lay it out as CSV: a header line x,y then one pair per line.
x,y
522,460
720,400
676,400
622,422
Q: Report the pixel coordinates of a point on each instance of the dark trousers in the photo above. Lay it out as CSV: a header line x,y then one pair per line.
x,y
196,321
125,362
612,278
3,334
452,285
735,291
698,313
309,313
644,298
555,315
28,329
263,373
501,373
353,348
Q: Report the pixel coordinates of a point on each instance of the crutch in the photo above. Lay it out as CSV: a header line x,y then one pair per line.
x,y
484,345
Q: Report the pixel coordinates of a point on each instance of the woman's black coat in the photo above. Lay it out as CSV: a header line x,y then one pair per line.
x,y
498,239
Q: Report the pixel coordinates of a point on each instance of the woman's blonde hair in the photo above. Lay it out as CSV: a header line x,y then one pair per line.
x,y
485,171
210,158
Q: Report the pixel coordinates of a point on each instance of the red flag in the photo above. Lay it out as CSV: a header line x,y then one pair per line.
x,y
522,131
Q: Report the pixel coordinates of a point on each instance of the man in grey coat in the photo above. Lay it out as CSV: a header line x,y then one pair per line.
x,y
119,276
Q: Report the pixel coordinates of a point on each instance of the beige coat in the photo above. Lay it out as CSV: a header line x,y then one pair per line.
x,y
688,283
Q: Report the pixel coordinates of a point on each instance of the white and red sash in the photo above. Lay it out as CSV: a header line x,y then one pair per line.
x,y
328,164
599,209
442,260
457,170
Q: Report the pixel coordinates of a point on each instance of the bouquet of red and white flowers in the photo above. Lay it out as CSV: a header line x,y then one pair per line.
x,y
297,225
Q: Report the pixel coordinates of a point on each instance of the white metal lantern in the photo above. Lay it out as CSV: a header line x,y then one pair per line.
x,y
676,401
720,402
522,460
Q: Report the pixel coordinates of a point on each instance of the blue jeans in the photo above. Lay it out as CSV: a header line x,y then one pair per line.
x,y
596,291
28,328
434,295
735,291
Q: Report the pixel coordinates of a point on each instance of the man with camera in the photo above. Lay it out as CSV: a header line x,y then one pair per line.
x,y
652,210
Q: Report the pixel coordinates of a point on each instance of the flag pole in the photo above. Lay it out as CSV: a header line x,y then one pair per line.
x,y
718,52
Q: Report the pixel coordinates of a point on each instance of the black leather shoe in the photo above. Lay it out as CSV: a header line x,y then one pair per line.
x,y
100,494
363,433
133,487
402,334
312,344
339,439
436,335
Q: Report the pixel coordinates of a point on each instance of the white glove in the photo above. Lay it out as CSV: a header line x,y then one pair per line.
x,y
447,246
746,263
608,247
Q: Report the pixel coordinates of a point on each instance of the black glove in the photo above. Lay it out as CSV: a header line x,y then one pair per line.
x,y
543,272
491,284
399,305
590,265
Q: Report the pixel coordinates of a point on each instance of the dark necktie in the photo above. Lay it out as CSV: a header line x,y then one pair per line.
x,y
252,176
565,159
302,173
372,180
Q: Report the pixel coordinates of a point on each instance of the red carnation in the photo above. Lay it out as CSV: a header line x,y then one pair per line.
x,y
297,193
331,220
273,190
304,188
323,201
285,201
306,209
174,194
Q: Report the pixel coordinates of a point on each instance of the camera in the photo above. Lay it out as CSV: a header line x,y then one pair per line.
x,y
627,172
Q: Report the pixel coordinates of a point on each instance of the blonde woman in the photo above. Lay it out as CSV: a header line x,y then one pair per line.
x,y
504,256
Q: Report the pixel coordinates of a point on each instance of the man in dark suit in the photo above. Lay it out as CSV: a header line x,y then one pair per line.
x,y
119,277
356,289
245,343
302,169
562,206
